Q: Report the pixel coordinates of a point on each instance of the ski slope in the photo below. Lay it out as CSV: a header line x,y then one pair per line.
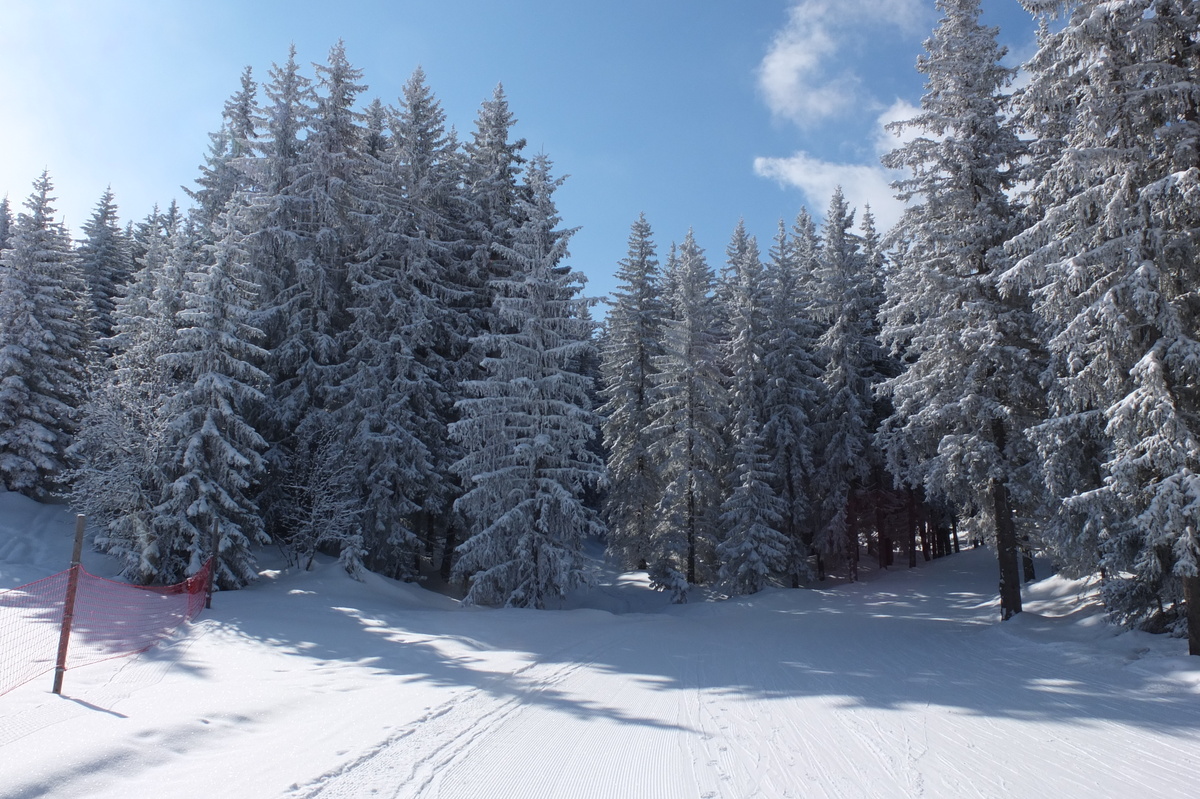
x,y
313,685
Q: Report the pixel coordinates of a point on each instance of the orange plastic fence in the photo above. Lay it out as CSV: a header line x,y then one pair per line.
x,y
111,620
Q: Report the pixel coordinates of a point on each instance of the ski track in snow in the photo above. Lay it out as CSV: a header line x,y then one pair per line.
x,y
902,686
836,703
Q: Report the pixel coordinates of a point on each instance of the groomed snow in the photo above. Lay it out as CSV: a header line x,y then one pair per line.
x,y
314,685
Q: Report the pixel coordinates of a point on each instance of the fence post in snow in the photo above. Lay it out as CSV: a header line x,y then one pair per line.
x,y
64,636
212,567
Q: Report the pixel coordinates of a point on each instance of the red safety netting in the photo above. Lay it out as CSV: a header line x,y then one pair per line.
x,y
111,620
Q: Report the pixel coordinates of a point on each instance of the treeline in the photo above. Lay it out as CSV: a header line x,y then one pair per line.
x,y
1020,349
360,339
363,339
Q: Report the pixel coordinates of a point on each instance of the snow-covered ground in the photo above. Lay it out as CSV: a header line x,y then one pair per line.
x,y
314,685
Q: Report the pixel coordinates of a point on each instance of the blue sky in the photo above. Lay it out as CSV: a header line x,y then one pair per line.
x,y
697,112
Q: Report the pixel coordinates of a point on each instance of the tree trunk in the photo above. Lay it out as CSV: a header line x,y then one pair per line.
x,y
926,536
912,528
691,533
885,541
852,533
1191,595
1006,551
1027,564
448,553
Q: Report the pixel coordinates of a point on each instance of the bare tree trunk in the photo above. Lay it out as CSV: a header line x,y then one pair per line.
x,y
1191,595
926,535
450,545
1006,551
885,541
852,533
912,528
1027,564
691,533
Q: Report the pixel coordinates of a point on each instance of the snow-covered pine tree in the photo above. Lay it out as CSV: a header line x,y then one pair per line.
x,y
688,427
631,349
493,178
405,337
527,427
45,345
106,263
376,139
327,190
752,548
225,171
272,221
1112,260
303,229
213,455
491,174
744,299
122,448
961,406
6,223
843,423
792,386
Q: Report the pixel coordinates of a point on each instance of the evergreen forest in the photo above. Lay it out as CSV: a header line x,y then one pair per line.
x,y
363,338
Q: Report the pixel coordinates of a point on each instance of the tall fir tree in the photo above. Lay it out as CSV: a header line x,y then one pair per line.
x,y
126,413
688,428
213,454
6,223
631,350
527,427
752,549
106,263
227,166
969,387
792,388
493,177
843,295
1111,261
404,337
45,347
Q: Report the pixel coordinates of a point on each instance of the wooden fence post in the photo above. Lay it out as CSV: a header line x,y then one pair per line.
x,y
64,635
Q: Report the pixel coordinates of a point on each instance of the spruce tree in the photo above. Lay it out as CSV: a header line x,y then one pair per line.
x,y
791,390
106,263
527,426
845,302
403,339
752,549
970,382
213,454
1111,261
688,428
631,350
227,166
45,346
126,412
6,223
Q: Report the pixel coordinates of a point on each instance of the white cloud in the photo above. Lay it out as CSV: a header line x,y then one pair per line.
x,y
861,183
885,140
802,77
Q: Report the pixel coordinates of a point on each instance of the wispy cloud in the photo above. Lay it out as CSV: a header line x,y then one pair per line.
x,y
863,184
803,78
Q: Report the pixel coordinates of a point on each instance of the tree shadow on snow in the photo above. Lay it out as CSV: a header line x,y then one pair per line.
x,y
894,643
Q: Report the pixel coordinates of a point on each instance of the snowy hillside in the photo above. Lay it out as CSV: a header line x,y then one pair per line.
x,y
313,685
